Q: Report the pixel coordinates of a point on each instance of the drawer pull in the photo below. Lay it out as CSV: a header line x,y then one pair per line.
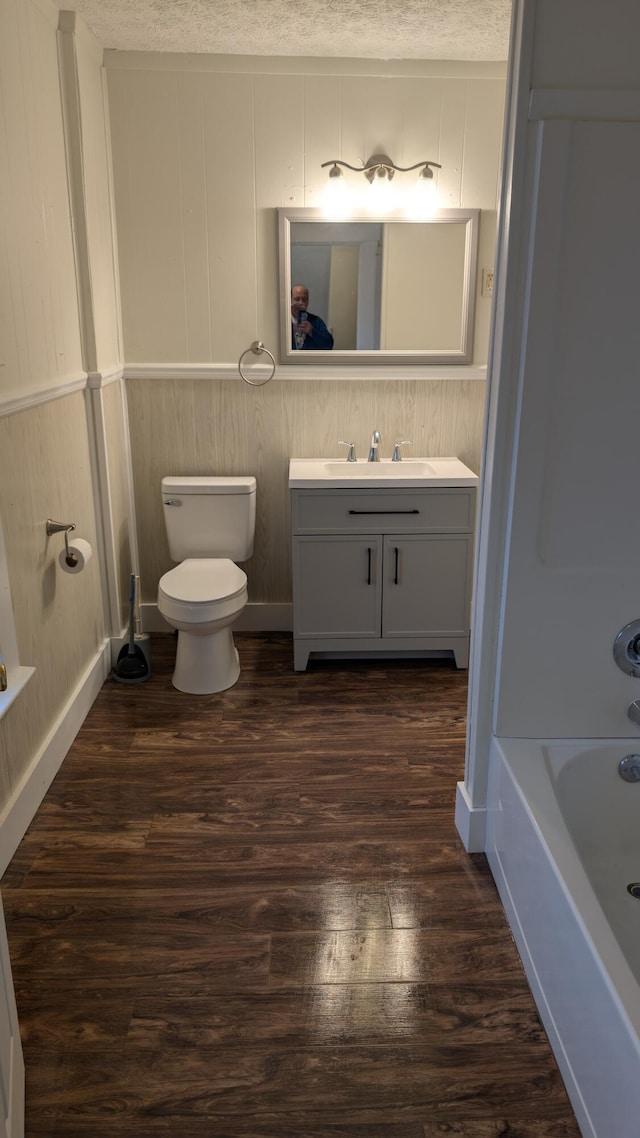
x,y
384,511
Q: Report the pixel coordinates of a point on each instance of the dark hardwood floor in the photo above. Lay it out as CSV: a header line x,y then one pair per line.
x,y
249,915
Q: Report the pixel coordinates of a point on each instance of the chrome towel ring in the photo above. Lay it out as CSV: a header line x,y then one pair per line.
x,y
257,348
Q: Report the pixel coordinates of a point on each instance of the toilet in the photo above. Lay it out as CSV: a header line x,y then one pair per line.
x,y
210,523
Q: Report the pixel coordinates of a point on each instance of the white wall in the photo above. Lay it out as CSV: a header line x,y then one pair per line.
x,y
95,160
207,148
58,321
39,332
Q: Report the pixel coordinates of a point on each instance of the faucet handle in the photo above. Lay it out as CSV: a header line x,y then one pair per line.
x,y
351,457
396,456
633,711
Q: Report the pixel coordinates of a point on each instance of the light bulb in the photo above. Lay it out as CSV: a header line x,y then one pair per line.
x,y
380,196
423,199
336,201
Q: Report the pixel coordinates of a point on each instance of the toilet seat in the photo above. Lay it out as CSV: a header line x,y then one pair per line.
x,y
202,589
200,580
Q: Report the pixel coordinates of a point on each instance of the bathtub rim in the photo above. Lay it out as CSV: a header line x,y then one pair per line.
x,y
529,848
538,797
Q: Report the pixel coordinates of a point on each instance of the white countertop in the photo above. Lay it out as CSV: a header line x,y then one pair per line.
x,y
336,473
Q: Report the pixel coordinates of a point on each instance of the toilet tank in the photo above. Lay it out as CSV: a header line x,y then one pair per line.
x,y
210,516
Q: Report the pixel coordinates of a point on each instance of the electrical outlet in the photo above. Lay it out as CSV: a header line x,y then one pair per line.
x,y
487,282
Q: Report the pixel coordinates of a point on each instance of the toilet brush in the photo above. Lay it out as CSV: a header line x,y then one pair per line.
x,y
142,639
131,666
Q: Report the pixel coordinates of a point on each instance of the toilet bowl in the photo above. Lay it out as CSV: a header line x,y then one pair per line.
x,y
202,598
210,524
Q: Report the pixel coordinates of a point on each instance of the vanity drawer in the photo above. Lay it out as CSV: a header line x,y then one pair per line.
x,y
438,510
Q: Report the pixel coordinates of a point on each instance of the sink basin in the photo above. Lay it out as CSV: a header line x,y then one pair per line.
x,y
325,473
408,468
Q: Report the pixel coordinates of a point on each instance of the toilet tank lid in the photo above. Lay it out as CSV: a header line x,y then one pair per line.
x,y
196,484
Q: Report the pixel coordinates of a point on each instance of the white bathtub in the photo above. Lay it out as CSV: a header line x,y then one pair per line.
x,y
563,842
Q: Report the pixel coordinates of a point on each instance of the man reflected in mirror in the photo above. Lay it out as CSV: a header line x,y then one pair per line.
x,y
308,331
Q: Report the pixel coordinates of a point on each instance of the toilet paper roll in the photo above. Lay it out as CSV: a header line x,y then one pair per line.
x,y
80,554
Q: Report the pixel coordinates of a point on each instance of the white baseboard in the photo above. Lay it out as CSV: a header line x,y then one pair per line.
x,y
21,808
253,618
470,820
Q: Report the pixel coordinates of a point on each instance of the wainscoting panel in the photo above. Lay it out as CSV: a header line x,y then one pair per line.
x,y
197,426
59,617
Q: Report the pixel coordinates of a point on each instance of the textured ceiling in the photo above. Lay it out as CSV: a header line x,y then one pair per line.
x,y
369,29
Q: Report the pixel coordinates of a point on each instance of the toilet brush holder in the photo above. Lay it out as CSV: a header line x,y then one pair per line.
x,y
143,640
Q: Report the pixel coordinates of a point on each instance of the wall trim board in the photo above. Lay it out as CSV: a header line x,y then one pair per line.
x,y
105,536
501,403
254,618
13,405
230,371
23,804
470,821
96,379
115,60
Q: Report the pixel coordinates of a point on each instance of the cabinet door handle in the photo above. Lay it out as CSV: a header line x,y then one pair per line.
x,y
384,511
369,565
397,561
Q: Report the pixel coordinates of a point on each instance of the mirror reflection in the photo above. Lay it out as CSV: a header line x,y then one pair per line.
x,y
378,289
308,331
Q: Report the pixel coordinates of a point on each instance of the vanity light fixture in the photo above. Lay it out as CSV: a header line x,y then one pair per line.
x,y
381,166
379,170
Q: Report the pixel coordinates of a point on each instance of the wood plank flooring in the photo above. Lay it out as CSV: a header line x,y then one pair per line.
x,y
249,915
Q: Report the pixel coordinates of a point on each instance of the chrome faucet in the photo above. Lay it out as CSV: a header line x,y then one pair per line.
x,y
373,449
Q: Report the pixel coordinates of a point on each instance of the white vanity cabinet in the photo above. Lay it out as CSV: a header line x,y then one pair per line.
x,y
382,570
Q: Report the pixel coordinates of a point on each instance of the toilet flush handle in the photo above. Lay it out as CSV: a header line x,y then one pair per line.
x,y
173,501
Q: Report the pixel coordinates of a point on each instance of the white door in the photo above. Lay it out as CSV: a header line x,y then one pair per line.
x,y
11,1061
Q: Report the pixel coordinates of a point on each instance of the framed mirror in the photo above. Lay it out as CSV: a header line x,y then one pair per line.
x,y
386,290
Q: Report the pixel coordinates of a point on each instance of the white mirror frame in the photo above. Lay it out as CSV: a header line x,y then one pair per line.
x,y
461,355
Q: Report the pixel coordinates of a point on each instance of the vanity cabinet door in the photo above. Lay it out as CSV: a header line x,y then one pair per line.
x,y
427,585
337,586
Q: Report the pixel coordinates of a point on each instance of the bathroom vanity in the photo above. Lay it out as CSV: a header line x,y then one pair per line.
x,y
382,557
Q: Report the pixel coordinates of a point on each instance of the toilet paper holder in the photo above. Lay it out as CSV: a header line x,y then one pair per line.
x,y
66,528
